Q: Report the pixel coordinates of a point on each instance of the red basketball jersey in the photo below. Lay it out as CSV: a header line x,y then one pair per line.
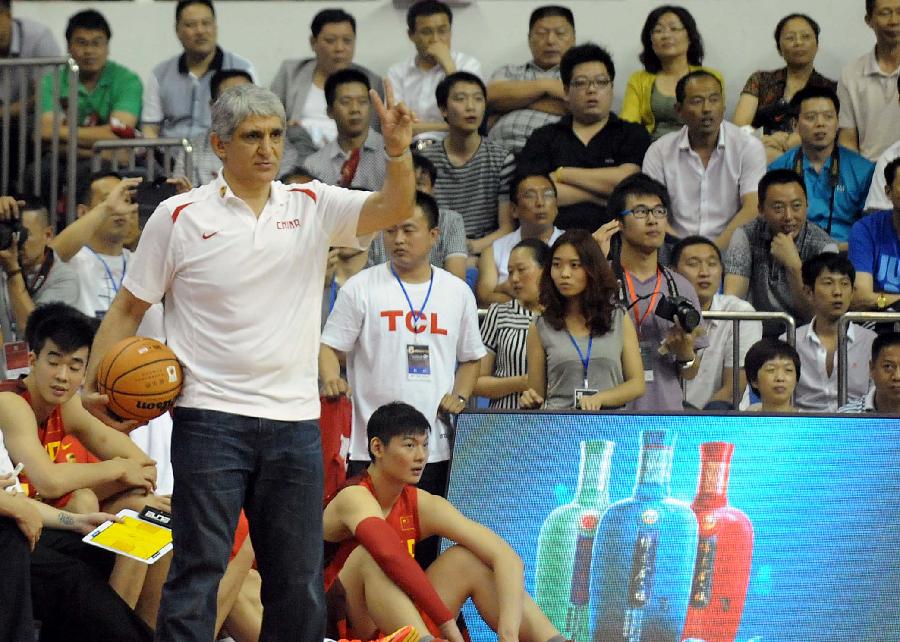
x,y
403,518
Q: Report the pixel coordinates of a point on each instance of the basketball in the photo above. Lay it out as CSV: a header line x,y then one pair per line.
x,y
142,378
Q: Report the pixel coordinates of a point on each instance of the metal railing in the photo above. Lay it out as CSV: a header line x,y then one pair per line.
x,y
28,72
131,147
735,318
843,324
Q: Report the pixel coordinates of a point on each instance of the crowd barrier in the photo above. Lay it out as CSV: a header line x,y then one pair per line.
x,y
130,147
25,74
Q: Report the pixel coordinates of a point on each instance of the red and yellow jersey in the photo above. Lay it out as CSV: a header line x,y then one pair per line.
x,y
61,448
403,518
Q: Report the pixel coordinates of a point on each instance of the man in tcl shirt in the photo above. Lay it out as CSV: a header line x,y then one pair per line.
x,y
241,262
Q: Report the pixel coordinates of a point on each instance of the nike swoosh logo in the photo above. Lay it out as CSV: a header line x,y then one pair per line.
x,y
207,235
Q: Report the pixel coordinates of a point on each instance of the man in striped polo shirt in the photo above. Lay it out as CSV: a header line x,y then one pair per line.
x,y
472,172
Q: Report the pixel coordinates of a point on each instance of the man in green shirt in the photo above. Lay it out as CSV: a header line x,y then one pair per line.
x,y
109,95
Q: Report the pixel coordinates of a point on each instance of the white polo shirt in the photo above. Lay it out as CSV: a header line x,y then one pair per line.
x,y
869,104
243,294
99,278
705,199
415,86
817,392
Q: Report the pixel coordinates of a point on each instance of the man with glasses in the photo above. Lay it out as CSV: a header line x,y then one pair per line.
x,y
590,149
531,95
765,258
669,354
710,167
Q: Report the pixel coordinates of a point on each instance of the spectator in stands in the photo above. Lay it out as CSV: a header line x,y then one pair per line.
x,y
177,96
94,245
773,368
699,260
34,273
109,95
429,27
20,38
875,251
450,252
577,293
669,354
590,149
672,48
355,158
837,179
472,173
828,280
525,97
884,368
409,331
206,165
766,96
870,118
51,576
300,83
533,201
765,257
878,198
710,167
504,331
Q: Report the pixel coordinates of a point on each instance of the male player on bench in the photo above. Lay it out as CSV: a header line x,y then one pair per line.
x,y
371,526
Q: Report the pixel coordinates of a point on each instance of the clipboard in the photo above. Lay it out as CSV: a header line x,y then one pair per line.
x,y
136,537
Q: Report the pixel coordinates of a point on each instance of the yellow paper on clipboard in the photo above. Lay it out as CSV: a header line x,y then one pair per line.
x,y
134,537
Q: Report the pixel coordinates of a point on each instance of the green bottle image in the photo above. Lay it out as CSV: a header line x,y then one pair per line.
x,y
565,544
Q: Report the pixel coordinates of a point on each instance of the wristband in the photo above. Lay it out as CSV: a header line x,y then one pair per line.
x,y
462,399
398,157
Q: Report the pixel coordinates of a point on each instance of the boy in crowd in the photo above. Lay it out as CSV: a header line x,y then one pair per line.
x,y
371,527
828,282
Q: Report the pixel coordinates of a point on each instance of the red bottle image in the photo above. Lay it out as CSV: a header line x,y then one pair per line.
x,y
724,553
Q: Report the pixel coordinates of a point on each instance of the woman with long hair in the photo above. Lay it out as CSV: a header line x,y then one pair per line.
x,y
505,328
583,350
765,99
672,48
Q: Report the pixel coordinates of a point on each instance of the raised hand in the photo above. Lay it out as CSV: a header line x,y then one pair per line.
x,y
396,120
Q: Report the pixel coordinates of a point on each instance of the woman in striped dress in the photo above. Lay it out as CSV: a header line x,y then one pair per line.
x,y
505,328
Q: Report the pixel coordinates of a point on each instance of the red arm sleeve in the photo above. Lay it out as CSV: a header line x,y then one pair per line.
x,y
382,543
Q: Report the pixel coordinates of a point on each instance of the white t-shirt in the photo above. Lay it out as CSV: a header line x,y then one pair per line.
x,y
415,87
99,278
314,117
243,293
504,245
6,466
370,322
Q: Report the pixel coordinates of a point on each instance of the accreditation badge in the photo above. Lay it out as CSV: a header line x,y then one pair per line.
x,y
418,363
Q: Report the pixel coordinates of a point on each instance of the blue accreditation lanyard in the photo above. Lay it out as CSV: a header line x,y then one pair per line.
x,y
332,295
109,274
585,360
415,313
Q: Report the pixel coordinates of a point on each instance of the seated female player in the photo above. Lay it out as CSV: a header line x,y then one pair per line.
x,y
372,524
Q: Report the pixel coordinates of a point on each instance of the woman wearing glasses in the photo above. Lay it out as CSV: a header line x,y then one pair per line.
x,y
672,47
765,99
583,351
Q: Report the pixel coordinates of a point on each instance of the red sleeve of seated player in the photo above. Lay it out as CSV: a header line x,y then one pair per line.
x,y
381,541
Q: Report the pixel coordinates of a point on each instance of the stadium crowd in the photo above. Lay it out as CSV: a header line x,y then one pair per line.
x,y
524,246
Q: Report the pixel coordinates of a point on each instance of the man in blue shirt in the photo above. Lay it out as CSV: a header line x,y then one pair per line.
x,y
837,179
875,251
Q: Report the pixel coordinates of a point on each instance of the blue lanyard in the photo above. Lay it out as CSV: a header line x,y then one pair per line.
x,y
109,275
412,310
332,295
585,361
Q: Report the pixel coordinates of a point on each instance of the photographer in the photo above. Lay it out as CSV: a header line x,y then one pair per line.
x,y
32,272
662,303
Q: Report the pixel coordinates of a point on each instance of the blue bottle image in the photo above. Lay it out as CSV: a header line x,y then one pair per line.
x,y
644,553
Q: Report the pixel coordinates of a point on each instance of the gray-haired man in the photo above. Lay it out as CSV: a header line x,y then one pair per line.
x,y
241,261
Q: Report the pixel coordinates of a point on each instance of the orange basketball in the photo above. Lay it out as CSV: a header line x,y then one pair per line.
x,y
142,378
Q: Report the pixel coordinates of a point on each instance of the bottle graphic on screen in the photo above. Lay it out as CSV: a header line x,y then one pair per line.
x,y
724,552
566,541
644,554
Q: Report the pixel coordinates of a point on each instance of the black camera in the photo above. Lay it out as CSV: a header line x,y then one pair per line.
x,y
8,231
670,307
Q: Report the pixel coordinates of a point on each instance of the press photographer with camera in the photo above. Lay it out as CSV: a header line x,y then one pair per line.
x,y
32,272
662,303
